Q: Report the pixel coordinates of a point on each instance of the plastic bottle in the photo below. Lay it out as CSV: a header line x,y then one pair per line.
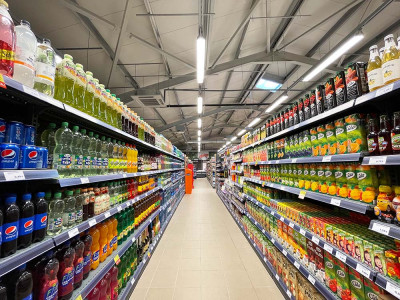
x,y
89,94
110,113
124,157
10,226
65,275
79,200
97,201
87,254
79,247
92,198
390,61
1,228
98,154
26,220
56,210
62,159
80,88
103,289
103,103
77,154
104,155
97,101
103,240
107,278
134,160
49,281
25,54
85,204
48,141
69,215
7,38
21,284
95,233
120,157
85,152
65,80
40,222
114,283
94,294
109,155
45,66
93,153
110,236
115,160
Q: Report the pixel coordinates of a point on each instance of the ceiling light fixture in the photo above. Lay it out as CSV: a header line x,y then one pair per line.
x,y
276,103
228,143
234,138
241,132
198,123
199,139
199,105
199,132
335,55
201,58
254,122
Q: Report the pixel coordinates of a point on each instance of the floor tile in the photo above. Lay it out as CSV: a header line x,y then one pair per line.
x,y
214,293
189,278
160,294
184,293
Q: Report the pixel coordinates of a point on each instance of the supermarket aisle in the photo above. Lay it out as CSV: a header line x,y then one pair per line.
x,y
204,255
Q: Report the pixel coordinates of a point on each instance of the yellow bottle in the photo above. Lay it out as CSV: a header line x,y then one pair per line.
x,y
103,241
374,69
134,159
390,61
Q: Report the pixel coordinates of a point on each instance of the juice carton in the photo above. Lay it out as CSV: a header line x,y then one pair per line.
x,y
331,138
307,177
356,80
330,273
313,104
320,99
322,140
319,263
301,281
314,141
292,280
330,179
352,182
350,244
322,185
393,264
366,183
356,134
285,272
341,181
340,88
307,143
373,291
341,136
368,253
311,256
356,285
314,177
343,282
330,95
379,258
358,248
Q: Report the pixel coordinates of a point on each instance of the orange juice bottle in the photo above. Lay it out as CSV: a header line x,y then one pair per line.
x,y
115,233
103,240
129,157
110,236
134,160
95,233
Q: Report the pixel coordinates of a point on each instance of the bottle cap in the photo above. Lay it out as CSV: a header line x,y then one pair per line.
x,y
40,194
26,197
96,136
77,191
25,23
79,66
10,199
91,133
83,131
373,47
2,2
52,125
67,56
103,138
57,195
69,192
64,124
75,128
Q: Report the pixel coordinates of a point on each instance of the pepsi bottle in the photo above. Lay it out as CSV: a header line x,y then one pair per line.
x,y
40,222
21,284
1,231
10,227
27,217
3,291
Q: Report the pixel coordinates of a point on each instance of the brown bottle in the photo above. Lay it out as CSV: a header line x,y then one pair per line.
x,y
395,136
372,138
384,140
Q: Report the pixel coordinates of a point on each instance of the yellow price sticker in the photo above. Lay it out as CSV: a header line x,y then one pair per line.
x,y
148,254
117,260
302,194
2,83
78,298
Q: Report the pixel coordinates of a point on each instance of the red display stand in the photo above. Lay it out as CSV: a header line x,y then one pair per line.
x,y
188,181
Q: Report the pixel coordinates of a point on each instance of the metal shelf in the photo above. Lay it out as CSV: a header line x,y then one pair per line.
x,y
389,285
385,229
388,160
348,260
352,205
237,160
25,175
240,209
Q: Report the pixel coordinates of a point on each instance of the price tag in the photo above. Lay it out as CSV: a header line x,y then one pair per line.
x,y
78,298
302,194
254,245
132,281
277,277
84,180
119,208
263,184
272,213
283,188
297,265
384,90
265,259
15,175
382,229
284,252
291,224
393,289
294,160
73,232
92,222
273,241
117,260
272,185
255,222
302,231
289,293
277,162
133,239
379,160
315,240
341,256
326,158
282,219
311,279
363,270
107,214
335,201
263,231
144,260
124,175
328,248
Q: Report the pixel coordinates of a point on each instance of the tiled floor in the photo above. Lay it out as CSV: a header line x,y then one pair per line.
x,y
204,255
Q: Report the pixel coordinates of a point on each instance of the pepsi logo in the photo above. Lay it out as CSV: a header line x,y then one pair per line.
x,y
11,230
43,219
8,153
2,128
33,154
28,224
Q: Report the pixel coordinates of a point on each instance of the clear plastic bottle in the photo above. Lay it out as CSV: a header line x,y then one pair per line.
x,y
110,147
48,141
97,101
89,94
390,61
7,39
62,158
124,157
104,155
103,103
56,209
25,54
69,215
120,157
374,69
77,154
79,199
93,154
85,152
98,154
65,80
45,66
80,88
115,164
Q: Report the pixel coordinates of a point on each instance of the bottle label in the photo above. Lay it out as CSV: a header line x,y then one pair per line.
x,y
372,145
79,215
350,128
24,57
67,279
350,175
99,163
64,161
87,160
338,174
57,223
10,231
105,249
40,221
94,162
361,175
391,70
66,69
79,266
382,143
52,292
44,73
7,55
28,297
114,240
50,159
95,256
86,259
375,79
81,78
105,162
78,161
395,141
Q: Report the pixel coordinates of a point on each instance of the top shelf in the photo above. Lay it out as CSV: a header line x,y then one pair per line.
x,y
35,97
362,100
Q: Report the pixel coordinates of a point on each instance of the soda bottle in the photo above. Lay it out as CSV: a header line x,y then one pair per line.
x,y
85,204
62,160
104,155
115,163
134,160
77,152
384,138
103,240
95,249
79,200
65,275
107,278
3,291
87,254
56,210
120,157
25,54
110,236
86,159
124,157
110,147
89,94
98,154
94,294
79,247
115,233
69,215
21,282
103,103
10,226
27,217
1,228
40,222
45,66
65,80
103,289
48,141
7,41
114,283
96,101
80,88
92,198
48,280
93,153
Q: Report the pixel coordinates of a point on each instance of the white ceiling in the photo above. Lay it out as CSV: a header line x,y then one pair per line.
x,y
51,19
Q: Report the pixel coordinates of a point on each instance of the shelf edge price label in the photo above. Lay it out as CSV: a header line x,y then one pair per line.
x,y
327,158
341,256
311,279
294,160
73,232
263,231
291,224
124,175
302,231
363,270
302,194
117,260
328,248
272,241
282,219
15,175
315,240
393,289
277,276
384,90
289,293
92,222
297,265
382,229
379,160
272,213
84,180
335,201
107,214
265,259
119,208
79,297
132,281
284,252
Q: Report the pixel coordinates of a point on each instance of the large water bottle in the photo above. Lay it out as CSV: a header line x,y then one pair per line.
x,y
7,40
62,157
25,54
69,215
48,141
77,152
104,155
85,152
64,80
98,153
45,66
56,210
110,147
93,154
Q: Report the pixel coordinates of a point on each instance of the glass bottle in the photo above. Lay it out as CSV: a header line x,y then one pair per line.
x,y
372,138
374,69
384,140
390,61
395,135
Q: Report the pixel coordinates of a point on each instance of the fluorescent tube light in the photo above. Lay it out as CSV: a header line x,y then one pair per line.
x,y
228,142
276,103
241,132
201,58
254,122
234,138
198,123
265,84
199,139
199,132
199,105
335,55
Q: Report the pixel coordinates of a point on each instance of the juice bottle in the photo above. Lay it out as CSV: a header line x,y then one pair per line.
x,y
95,249
79,247
87,254
331,138
89,94
103,103
115,233
374,69
114,283
109,113
322,140
98,154
110,236
65,80
107,278
341,136
49,282
395,134
119,114
384,136
124,157
103,240
97,99
80,88
45,66
372,138
66,257
390,61
7,41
